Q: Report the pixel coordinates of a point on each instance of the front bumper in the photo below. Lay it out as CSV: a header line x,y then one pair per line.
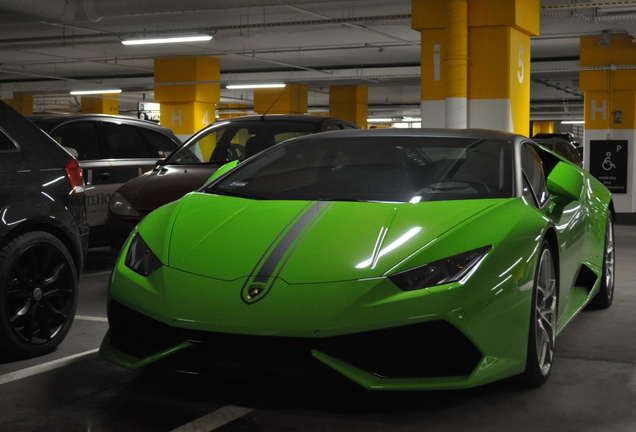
x,y
454,336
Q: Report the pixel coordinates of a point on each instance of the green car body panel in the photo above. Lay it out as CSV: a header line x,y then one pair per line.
x,y
320,269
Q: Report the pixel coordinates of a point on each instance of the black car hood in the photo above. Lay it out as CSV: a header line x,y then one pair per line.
x,y
164,184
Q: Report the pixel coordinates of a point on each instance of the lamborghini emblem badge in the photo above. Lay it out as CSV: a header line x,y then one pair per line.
x,y
254,291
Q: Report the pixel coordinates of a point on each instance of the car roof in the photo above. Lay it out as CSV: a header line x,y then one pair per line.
x,y
304,118
417,132
57,119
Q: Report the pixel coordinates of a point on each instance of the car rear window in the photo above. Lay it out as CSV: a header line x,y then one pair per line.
x,y
81,136
160,144
125,141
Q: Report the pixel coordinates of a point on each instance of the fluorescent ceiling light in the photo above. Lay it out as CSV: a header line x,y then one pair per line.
x,y
251,86
166,39
379,120
573,122
86,92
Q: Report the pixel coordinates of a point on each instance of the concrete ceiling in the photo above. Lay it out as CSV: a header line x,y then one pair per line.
x,y
49,47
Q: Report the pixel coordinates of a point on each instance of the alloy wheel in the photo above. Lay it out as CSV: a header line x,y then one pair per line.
x,y
545,311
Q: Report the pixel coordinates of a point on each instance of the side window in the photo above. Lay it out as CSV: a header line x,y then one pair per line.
x,y
160,144
6,143
534,174
125,141
80,136
333,127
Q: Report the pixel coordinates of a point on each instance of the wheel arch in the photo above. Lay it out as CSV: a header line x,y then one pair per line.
x,y
552,239
63,235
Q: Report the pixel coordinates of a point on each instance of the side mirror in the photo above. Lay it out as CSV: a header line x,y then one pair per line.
x,y
225,168
566,182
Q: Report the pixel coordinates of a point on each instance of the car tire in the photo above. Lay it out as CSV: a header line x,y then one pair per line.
x,y
603,299
543,320
38,294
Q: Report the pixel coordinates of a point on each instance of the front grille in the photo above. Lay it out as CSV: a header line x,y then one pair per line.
x,y
137,334
432,349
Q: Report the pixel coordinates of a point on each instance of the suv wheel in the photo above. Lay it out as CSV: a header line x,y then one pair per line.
x,y
38,294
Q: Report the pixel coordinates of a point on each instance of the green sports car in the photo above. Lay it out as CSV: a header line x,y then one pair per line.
x,y
399,259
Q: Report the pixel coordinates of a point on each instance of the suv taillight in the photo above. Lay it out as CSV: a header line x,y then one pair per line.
x,y
75,175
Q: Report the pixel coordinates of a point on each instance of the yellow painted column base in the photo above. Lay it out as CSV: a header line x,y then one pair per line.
x,y
350,102
291,99
542,127
104,104
231,110
23,103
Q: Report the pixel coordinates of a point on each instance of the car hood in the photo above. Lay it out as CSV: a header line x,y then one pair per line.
x,y
229,238
165,184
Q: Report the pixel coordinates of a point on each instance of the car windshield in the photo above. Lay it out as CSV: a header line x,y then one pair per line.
x,y
376,168
227,141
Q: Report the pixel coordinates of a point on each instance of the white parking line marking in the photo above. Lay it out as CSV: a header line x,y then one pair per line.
x,y
90,318
45,367
215,419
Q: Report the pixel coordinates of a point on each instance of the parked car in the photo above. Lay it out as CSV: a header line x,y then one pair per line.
x,y
111,151
401,259
43,237
562,147
567,136
200,156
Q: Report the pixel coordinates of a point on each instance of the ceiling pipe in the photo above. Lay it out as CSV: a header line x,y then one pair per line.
x,y
71,11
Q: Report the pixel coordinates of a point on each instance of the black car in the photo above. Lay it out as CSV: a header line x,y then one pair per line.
x,y
43,237
111,151
199,157
562,148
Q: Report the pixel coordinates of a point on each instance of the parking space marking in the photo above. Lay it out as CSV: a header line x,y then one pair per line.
x,y
90,318
45,367
215,419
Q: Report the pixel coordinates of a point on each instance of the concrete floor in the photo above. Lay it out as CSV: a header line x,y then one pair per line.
x,y
592,386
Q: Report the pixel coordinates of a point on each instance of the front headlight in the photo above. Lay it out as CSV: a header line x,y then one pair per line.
x,y
120,206
439,272
140,258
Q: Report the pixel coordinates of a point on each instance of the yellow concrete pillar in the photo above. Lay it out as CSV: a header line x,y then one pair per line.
x,y
186,90
542,127
428,17
455,65
609,82
291,99
498,67
107,103
350,102
23,103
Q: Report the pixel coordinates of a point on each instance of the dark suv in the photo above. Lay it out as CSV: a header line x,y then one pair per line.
x,y
111,150
43,237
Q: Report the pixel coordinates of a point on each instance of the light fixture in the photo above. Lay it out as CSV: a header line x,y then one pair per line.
x,y
97,91
253,86
162,39
573,122
379,120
